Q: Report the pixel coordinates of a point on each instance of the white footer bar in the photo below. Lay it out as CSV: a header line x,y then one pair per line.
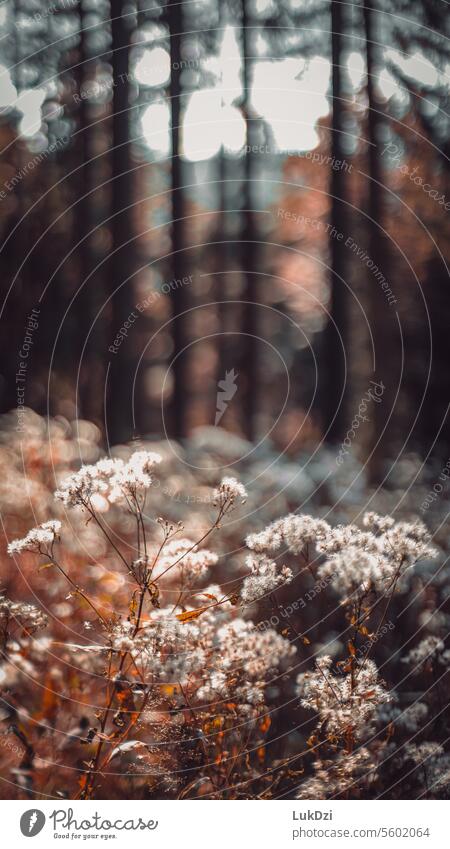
x,y
221,824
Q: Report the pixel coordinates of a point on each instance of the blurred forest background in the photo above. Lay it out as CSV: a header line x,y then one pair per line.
x,y
238,202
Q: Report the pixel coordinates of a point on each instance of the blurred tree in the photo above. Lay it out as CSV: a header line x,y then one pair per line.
x,y
336,334
423,29
248,371
179,294
89,298
121,267
220,254
62,55
377,244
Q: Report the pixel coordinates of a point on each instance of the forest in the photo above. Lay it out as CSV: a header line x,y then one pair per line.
x,y
224,399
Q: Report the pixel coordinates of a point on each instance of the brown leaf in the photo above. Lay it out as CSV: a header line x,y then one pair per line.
x,y
351,648
265,724
368,694
191,614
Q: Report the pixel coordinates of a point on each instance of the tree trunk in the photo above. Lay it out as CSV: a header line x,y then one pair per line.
x,y
178,293
336,334
377,246
121,373
248,371
89,298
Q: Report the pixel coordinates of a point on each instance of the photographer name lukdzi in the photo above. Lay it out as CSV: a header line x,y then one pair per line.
x,y
312,815
94,827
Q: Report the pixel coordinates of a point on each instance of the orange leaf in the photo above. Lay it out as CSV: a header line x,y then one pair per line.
x,y
191,614
265,724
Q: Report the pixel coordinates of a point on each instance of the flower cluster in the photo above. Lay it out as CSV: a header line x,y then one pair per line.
x,y
419,753
264,578
133,476
411,719
183,554
108,480
27,615
44,535
356,560
374,559
242,659
334,778
377,523
228,661
228,492
344,703
172,661
167,649
294,532
430,648
356,570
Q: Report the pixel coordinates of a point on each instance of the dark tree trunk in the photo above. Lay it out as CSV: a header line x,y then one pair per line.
x,y
178,294
121,373
434,422
377,246
89,297
220,254
18,245
248,371
336,334
220,264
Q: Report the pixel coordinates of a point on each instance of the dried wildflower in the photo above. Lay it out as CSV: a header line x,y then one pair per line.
x,y
228,492
44,534
409,719
27,615
422,752
376,522
439,780
413,717
299,531
188,559
344,703
378,559
356,570
295,532
334,778
242,659
407,542
168,657
256,652
133,476
429,648
265,577
78,489
110,478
